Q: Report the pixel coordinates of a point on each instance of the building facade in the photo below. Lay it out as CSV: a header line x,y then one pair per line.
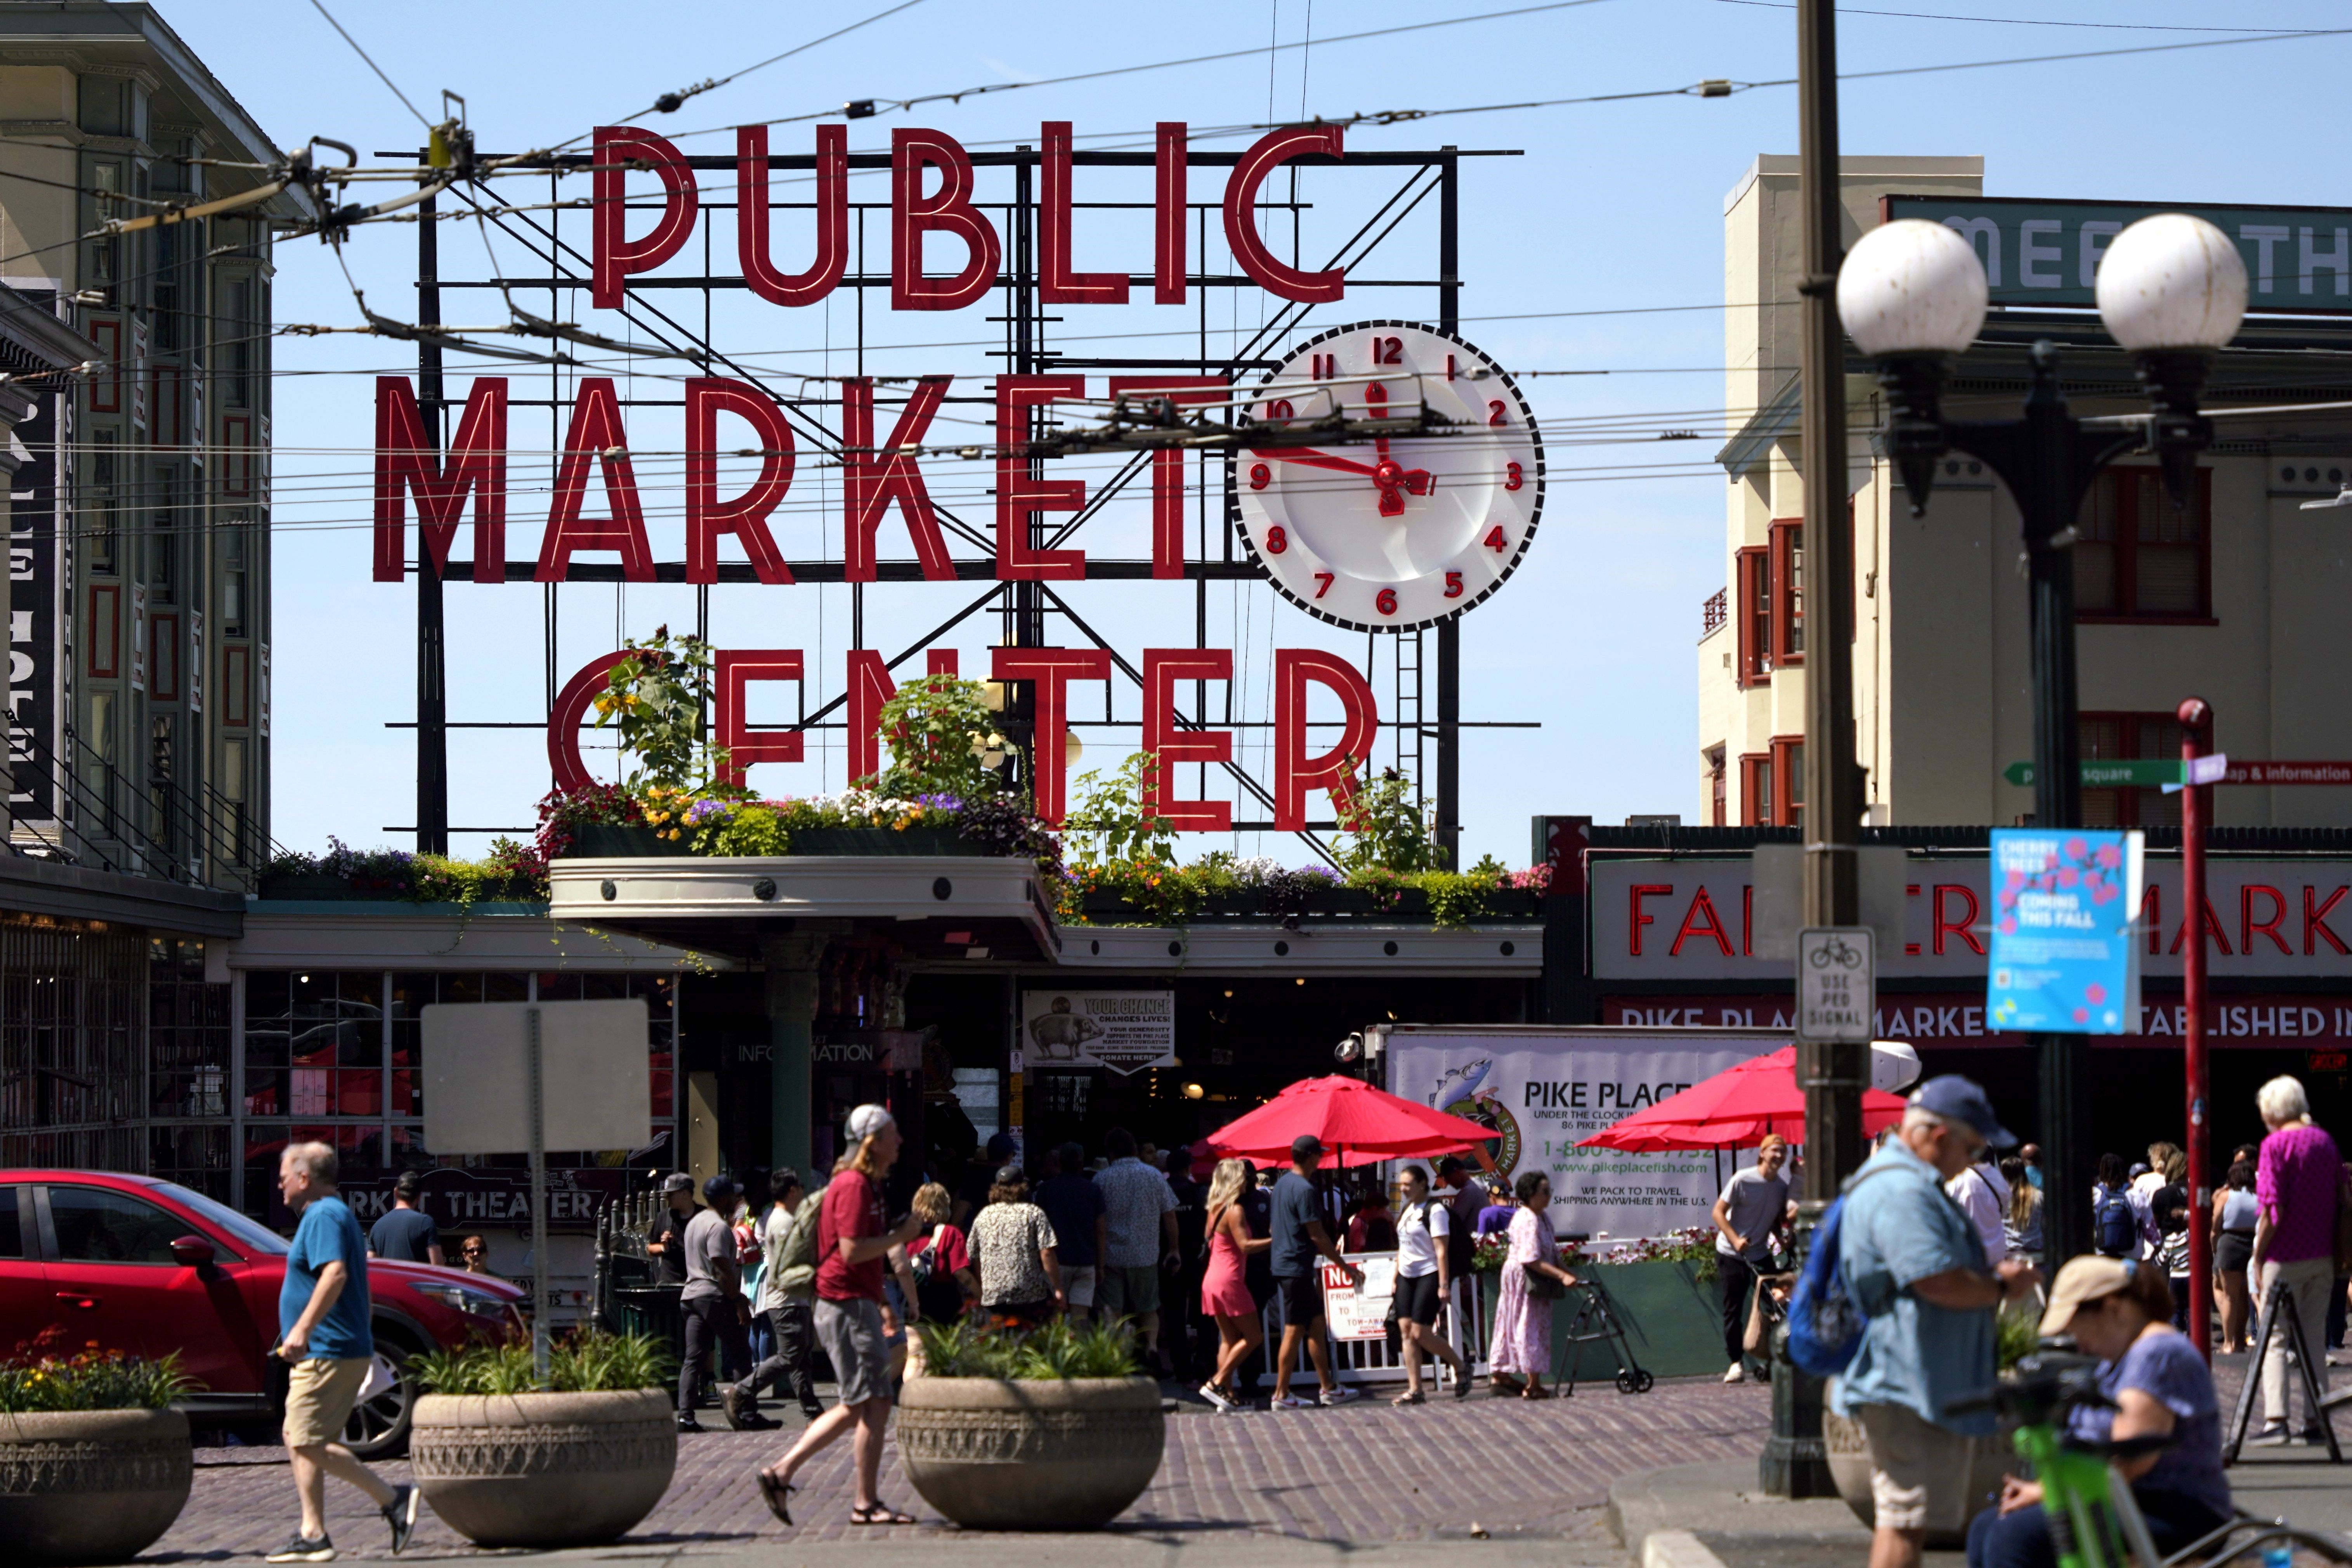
x,y
2231,598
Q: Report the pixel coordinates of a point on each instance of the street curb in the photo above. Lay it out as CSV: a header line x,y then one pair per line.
x,y
1676,1549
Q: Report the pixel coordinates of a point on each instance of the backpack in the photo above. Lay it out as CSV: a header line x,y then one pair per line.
x,y
796,1260
937,1294
2115,1230
1825,1324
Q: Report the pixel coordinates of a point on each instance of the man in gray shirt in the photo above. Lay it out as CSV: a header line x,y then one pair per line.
x,y
1755,1203
717,1314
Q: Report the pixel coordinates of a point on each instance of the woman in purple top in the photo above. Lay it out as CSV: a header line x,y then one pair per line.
x,y
2295,1181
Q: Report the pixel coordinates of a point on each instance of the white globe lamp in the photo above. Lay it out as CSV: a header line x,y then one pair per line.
x,y
1912,296
2172,289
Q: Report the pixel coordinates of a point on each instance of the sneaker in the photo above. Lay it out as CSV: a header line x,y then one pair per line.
x,y
686,1423
304,1549
1340,1395
2269,1438
753,1421
1210,1392
2315,1436
1738,1373
1291,1402
401,1514
812,1409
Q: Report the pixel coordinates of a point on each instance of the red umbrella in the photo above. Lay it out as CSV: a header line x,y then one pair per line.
x,y
1735,1109
1358,1123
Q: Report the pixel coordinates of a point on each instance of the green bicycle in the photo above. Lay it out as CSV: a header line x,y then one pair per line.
x,y
2093,1519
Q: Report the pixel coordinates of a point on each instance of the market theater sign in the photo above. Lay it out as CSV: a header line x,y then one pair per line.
x,y
1419,539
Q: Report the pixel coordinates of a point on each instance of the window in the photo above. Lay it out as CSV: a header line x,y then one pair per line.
x,y
234,335
162,543
1789,780
1756,790
98,1225
12,1228
2112,737
1753,588
98,513
1717,787
2135,557
1789,592
232,602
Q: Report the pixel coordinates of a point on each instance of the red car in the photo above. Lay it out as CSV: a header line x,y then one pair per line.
x,y
148,1266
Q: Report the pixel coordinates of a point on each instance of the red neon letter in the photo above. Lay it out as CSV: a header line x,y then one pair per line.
x,y
1700,920
563,760
2210,928
1052,670
1057,283
616,255
913,215
2247,925
1168,192
404,460
1956,928
2152,917
2314,919
746,516
870,687
1636,918
1241,216
1334,772
595,432
871,479
1168,462
735,670
831,217
1020,497
1163,668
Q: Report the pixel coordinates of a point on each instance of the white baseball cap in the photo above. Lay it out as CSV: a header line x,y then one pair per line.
x,y
868,1120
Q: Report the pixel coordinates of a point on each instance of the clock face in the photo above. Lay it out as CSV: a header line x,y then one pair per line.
x,y
1382,533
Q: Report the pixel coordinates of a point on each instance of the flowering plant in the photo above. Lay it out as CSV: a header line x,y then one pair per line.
x,y
513,871
1694,1244
938,729
655,698
38,1376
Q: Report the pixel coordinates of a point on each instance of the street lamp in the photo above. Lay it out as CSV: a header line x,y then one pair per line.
x,y
2171,289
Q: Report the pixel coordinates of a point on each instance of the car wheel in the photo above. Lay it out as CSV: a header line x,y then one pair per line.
x,y
378,1428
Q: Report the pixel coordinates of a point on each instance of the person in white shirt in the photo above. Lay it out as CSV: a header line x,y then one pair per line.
x,y
1423,1284
1984,1197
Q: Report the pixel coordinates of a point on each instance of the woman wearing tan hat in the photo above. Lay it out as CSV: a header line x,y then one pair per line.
x,y
2120,1311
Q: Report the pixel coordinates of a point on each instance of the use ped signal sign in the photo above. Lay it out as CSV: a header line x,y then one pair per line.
x,y
1837,982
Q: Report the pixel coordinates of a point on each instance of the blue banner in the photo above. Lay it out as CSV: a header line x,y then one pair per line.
x,y
2064,956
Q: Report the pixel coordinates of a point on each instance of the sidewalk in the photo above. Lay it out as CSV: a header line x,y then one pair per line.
x,y
1518,1483
1733,1525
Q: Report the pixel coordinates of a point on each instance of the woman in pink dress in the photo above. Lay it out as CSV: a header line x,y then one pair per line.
x,y
1522,1337
1225,1293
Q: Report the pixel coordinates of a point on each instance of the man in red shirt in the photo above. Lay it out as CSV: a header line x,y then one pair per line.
x,y
854,1239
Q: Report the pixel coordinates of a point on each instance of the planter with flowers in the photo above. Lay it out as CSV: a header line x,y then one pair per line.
x,y
504,1462
94,1463
1665,1289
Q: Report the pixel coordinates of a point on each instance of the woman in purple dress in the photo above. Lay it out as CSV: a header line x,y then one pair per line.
x,y
1522,1338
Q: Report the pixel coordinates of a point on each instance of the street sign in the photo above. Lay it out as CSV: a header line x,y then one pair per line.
x,y
1837,981
2213,769
2121,773
2065,955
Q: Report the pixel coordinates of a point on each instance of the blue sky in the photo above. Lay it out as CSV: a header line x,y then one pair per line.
x,y
1613,208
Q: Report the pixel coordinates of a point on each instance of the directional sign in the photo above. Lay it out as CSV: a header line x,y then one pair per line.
x,y
2150,773
1837,979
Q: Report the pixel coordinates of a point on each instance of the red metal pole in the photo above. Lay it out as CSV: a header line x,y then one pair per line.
x,y
2196,810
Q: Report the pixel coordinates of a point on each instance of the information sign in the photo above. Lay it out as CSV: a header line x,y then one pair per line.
x,y
1353,1312
2063,958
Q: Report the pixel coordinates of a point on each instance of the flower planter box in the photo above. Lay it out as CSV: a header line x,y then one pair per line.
x,y
1109,908
543,1469
1070,1453
90,1486
1513,904
317,885
1673,1320
880,841
1339,900
595,841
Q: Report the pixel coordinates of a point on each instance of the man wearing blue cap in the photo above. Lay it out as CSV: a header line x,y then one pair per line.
x,y
715,1311
1915,1264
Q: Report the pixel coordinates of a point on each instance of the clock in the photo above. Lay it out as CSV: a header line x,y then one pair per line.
x,y
1389,533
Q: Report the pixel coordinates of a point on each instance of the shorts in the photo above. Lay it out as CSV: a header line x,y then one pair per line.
x,y
1128,1292
2233,1251
319,1399
1302,1297
1918,1471
1417,1300
851,1333
1079,1284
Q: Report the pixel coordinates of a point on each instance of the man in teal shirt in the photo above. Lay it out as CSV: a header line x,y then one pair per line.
x,y
322,1321
1913,1262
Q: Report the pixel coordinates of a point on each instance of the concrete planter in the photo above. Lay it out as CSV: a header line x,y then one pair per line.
x,y
543,1469
1045,1455
1990,1459
90,1486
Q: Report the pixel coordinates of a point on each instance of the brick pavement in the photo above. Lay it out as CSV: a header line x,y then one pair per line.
x,y
1365,1474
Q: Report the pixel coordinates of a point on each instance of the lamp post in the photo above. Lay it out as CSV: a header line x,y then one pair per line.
x,y
2171,289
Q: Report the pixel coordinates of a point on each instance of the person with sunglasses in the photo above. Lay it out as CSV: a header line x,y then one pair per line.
x,y
474,1256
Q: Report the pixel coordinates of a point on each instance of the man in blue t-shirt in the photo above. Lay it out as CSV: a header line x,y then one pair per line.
x,y
322,1327
1300,1238
1914,1263
404,1231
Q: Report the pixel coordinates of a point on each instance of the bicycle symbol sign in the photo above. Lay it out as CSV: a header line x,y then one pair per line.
x,y
1837,970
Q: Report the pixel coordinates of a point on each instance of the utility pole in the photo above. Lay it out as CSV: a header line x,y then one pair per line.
x,y
2196,717
1832,1074
432,664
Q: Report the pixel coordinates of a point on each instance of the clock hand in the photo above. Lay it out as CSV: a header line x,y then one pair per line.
x,y
1310,458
